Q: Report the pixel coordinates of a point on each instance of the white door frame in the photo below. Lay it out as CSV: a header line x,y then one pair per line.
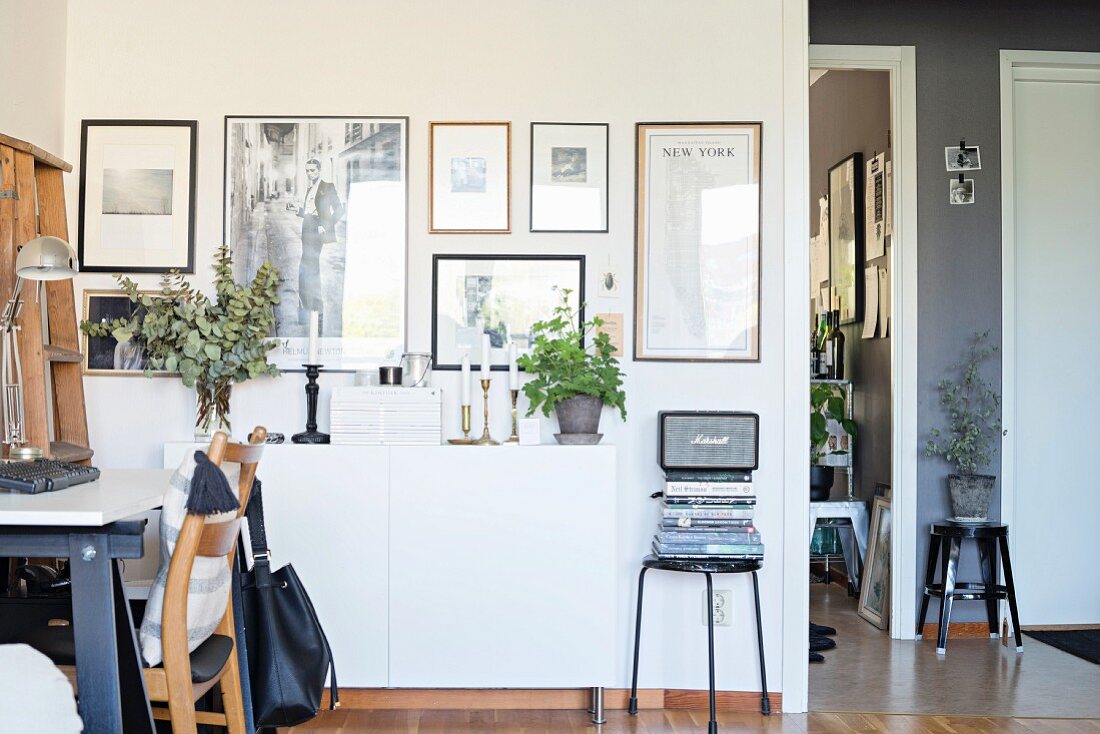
x,y
901,62
1052,66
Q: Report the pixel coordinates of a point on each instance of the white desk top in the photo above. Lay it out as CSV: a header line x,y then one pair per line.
x,y
116,495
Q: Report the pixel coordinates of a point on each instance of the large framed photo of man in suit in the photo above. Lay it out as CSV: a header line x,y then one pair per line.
x,y
325,201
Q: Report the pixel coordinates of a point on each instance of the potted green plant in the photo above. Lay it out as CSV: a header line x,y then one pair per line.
x,y
212,344
825,404
974,410
570,378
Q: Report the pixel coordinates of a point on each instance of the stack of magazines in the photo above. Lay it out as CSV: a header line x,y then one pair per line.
x,y
708,516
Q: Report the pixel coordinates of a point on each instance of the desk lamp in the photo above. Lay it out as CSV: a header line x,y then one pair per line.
x,y
41,259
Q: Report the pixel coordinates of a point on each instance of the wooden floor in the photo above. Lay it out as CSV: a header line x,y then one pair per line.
x,y
672,722
867,671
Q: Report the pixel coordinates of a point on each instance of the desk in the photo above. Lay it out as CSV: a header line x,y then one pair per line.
x,y
856,512
86,524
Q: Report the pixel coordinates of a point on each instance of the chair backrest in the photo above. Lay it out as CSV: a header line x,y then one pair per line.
x,y
199,538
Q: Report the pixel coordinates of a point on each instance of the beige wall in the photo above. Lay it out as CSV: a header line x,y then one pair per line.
x,y
32,72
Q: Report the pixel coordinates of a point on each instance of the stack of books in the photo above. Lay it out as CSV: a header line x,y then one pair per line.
x,y
708,516
388,416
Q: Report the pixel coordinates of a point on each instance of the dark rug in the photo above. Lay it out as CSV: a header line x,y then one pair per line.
x,y
1082,643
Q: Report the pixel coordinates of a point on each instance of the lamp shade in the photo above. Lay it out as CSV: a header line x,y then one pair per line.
x,y
46,258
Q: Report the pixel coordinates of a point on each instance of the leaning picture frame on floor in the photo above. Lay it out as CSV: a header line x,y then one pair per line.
x,y
874,592
325,201
136,210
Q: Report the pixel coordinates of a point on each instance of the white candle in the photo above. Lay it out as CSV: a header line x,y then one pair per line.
x,y
313,318
465,379
513,368
485,364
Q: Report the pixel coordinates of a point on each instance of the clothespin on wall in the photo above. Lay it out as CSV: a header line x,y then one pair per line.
x,y
962,146
961,178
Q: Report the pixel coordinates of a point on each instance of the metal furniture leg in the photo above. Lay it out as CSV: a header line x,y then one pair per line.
x,y
712,726
633,707
136,715
1010,587
765,702
987,552
929,579
950,567
597,706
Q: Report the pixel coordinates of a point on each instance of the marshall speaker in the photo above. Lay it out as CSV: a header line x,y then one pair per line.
x,y
708,440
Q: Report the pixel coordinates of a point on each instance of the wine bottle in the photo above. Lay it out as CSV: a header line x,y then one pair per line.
x,y
835,352
820,334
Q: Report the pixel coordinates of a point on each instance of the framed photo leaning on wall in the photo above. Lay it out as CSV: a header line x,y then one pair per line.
x,y
846,238
569,176
470,177
324,200
105,355
501,295
137,196
697,248
874,593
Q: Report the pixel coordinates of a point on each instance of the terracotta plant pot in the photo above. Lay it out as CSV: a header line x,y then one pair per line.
x,y
970,496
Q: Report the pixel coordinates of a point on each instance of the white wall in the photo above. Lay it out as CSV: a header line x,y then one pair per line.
x,y
32,70
617,62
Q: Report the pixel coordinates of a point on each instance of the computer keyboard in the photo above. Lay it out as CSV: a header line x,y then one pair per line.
x,y
44,475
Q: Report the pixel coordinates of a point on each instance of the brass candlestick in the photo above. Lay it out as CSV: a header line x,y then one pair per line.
x,y
486,439
514,438
465,440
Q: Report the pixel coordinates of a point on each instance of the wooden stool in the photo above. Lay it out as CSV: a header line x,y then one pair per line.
x,y
948,537
734,565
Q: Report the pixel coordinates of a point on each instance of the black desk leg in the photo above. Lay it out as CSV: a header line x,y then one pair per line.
x,y
987,559
97,669
633,708
1010,587
929,579
136,713
949,568
712,727
765,703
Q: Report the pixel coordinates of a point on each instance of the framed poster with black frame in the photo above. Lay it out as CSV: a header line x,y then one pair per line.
x,y
325,200
136,211
846,237
697,248
502,295
569,176
470,177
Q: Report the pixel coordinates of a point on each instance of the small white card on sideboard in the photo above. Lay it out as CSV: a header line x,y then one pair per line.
x,y
530,432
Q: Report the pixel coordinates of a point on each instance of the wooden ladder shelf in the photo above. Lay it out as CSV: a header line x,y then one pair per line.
x,y
32,203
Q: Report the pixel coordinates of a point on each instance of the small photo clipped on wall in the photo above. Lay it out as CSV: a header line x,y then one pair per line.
x,y
961,192
963,159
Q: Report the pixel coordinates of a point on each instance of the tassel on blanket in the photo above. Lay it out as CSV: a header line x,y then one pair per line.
x,y
210,492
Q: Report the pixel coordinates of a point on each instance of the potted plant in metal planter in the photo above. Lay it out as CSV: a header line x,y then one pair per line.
x,y
570,378
974,408
825,405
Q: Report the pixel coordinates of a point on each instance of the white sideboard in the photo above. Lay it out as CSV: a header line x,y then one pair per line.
x,y
455,567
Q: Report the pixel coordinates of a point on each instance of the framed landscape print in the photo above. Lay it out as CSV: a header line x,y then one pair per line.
x,y
106,355
846,237
569,177
137,196
697,252
874,594
498,295
470,174
324,200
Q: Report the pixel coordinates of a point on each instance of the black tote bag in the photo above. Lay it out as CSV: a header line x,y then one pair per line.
x,y
289,657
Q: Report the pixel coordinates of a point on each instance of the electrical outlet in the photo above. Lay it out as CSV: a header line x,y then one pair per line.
x,y
723,608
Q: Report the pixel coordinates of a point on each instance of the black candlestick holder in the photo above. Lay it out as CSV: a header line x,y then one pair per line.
x,y
311,434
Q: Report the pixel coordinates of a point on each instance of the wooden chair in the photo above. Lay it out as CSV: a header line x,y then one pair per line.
x,y
176,682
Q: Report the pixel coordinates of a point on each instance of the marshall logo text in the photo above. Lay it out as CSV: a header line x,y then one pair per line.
x,y
702,440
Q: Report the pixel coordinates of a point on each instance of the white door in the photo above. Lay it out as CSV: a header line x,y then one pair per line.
x,y
1055,145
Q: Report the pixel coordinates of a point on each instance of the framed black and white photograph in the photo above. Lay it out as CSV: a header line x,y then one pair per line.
x,y
137,196
325,201
106,355
846,237
874,595
697,252
569,176
498,295
470,175
963,159
961,192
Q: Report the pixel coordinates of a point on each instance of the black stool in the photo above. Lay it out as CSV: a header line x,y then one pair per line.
x,y
704,567
948,537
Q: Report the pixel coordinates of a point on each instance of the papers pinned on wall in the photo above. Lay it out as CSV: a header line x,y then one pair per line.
x,y
874,193
890,199
819,261
870,296
883,303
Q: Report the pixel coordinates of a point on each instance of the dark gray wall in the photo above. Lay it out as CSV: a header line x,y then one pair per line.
x,y
849,113
958,96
